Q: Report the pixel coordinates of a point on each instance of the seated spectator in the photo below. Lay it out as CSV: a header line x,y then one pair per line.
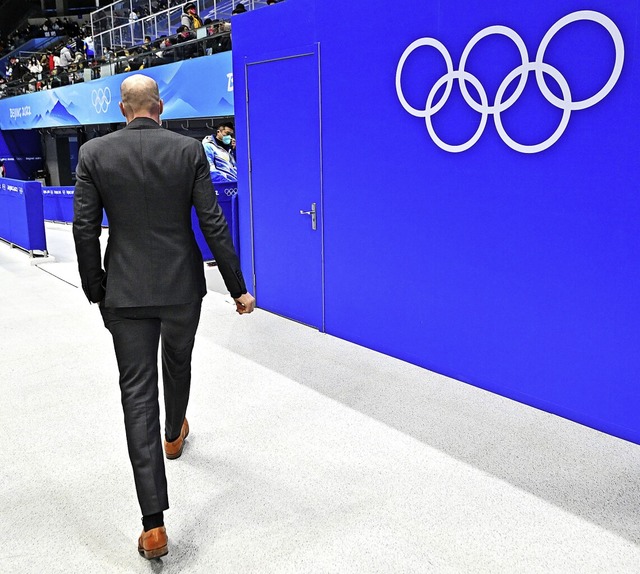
x,y
76,73
16,69
107,54
94,66
220,42
136,59
185,52
239,9
35,67
165,45
160,55
59,78
221,151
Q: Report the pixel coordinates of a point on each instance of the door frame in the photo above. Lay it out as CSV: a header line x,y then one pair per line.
x,y
298,52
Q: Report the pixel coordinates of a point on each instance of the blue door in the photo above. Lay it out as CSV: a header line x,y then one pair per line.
x,y
285,184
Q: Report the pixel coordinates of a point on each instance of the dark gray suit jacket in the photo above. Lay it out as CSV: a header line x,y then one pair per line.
x,y
147,178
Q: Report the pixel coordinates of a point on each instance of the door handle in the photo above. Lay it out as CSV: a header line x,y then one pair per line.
x,y
314,217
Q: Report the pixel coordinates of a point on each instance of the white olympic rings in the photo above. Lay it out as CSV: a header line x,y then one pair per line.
x,y
100,99
539,67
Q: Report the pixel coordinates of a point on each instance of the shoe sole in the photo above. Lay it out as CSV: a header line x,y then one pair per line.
x,y
155,553
176,455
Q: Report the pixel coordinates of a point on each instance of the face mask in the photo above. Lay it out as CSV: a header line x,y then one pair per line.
x,y
226,140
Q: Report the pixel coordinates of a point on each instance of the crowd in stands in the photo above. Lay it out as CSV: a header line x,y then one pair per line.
x,y
49,28
61,64
73,60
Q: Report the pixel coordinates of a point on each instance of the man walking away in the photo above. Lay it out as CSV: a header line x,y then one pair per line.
x,y
147,179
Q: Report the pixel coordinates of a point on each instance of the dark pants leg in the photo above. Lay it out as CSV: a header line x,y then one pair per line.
x,y
178,333
136,333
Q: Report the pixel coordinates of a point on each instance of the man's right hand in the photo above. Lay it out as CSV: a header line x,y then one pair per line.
x,y
245,303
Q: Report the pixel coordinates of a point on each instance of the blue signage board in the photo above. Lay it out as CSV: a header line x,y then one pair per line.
x,y
58,203
200,87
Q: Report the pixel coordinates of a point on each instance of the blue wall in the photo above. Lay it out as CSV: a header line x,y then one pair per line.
x,y
515,272
21,152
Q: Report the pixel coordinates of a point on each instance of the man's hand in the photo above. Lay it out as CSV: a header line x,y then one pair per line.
x,y
245,303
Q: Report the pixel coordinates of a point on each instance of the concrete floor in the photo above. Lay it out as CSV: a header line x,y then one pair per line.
x,y
307,454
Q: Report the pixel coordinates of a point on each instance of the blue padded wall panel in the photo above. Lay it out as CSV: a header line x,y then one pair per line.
x,y
21,152
514,272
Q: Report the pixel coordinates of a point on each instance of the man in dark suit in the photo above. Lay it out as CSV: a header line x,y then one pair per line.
x,y
147,179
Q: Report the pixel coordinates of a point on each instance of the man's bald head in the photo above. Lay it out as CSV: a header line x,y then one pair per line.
x,y
140,98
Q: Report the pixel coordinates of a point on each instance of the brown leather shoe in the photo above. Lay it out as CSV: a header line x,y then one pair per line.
x,y
153,544
174,449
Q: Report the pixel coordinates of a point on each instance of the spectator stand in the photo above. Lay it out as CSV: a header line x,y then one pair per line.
x,y
27,49
28,82
112,25
126,59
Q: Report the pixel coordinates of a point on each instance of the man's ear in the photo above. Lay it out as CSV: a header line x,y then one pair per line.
x,y
160,107
122,110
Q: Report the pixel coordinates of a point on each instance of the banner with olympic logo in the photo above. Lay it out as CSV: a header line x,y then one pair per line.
x,y
201,87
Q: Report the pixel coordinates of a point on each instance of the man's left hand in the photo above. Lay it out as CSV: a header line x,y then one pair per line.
x,y
245,303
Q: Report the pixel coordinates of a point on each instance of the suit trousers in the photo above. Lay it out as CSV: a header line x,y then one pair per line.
x,y
136,332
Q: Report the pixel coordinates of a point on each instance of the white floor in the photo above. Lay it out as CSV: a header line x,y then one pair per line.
x,y
307,454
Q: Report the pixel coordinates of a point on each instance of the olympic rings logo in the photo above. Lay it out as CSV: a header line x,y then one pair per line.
x,y
231,191
566,103
100,99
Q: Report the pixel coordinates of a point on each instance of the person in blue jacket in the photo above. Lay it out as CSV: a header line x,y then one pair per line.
x,y
221,153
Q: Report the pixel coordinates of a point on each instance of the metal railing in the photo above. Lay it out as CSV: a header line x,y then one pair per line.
x,y
132,32
111,25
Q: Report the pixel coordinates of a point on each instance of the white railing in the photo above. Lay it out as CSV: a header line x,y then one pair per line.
x,y
131,33
111,25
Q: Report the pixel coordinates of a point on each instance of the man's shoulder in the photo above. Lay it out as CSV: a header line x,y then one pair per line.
x,y
96,143
176,141
93,145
